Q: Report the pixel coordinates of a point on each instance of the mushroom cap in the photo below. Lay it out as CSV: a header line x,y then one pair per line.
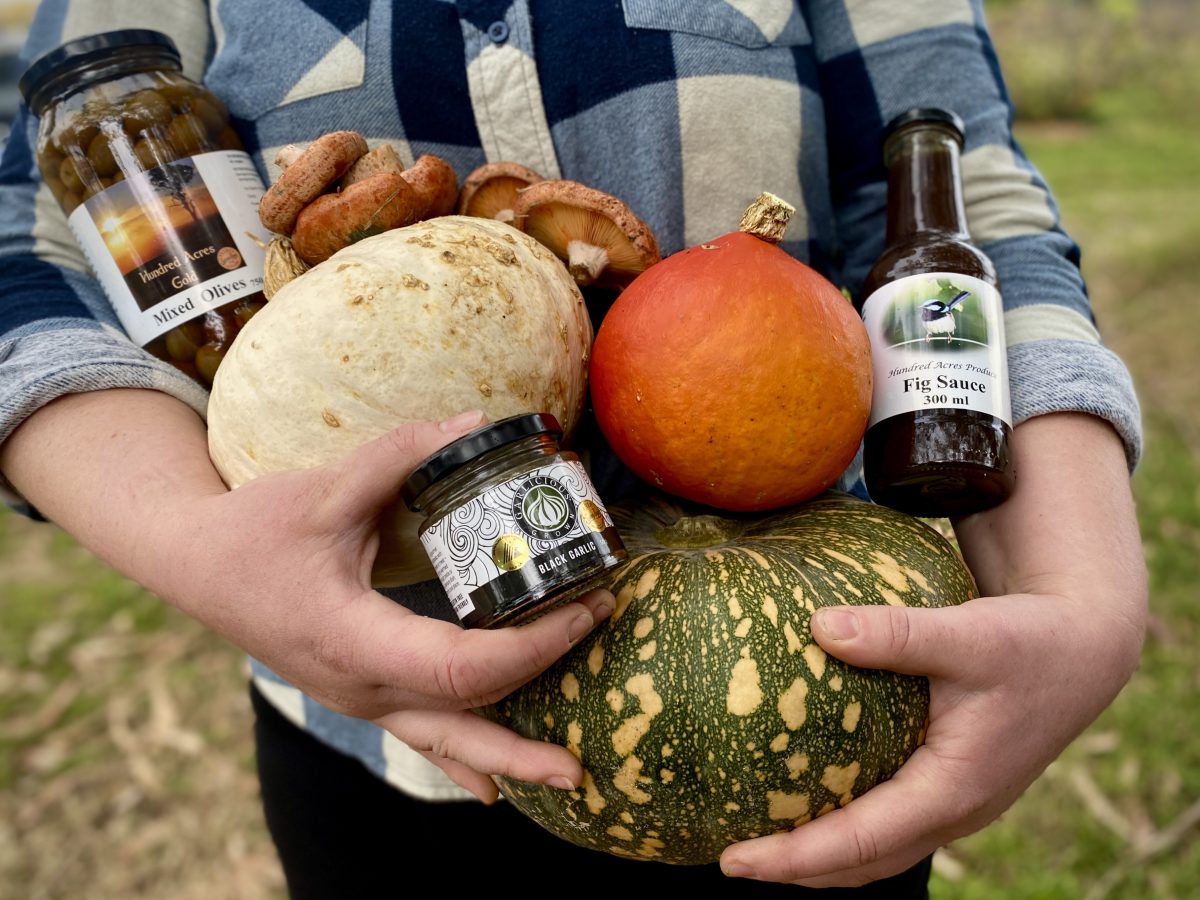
x,y
435,182
558,213
366,208
493,188
320,165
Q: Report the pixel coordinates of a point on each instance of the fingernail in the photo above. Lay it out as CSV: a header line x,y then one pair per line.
x,y
604,605
580,626
738,870
461,422
838,624
561,782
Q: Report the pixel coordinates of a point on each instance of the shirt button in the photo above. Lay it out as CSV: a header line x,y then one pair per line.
x,y
498,32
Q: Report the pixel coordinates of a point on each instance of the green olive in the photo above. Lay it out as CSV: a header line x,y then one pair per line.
x,y
78,134
153,152
208,360
188,135
100,155
145,109
181,92
183,342
70,175
214,119
69,200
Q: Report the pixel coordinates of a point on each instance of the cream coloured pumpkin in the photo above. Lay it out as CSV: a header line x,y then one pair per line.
x,y
418,323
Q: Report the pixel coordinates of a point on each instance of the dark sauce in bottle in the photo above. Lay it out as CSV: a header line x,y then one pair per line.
x,y
938,443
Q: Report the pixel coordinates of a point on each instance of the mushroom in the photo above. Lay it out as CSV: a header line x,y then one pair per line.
x,y
491,191
306,175
435,182
434,179
383,158
600,238
365,208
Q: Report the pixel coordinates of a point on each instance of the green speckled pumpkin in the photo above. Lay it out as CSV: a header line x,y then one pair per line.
x,y
703,712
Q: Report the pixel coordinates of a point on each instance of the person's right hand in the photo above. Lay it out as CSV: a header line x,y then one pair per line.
x,y
281,567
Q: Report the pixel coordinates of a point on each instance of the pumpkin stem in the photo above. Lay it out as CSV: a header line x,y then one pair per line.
x,y
767,218
696,532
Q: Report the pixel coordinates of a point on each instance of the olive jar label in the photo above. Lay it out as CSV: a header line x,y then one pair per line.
x,y
937,341
531,532
173,242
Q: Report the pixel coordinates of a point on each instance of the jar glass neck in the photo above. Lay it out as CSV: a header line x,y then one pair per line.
x,y
460,486
924,184
74,78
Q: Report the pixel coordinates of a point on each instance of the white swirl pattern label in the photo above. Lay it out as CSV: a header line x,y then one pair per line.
x,y
533,520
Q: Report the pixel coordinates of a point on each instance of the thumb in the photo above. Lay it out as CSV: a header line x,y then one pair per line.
x,y
910,641
370,476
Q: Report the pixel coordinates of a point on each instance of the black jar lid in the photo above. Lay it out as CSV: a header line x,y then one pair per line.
x,y
927,114
471,446
90,49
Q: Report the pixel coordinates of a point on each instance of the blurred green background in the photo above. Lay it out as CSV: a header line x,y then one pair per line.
x,y
126,767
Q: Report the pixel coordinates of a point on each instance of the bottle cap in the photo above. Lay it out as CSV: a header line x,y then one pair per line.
x,y
89,49
457,454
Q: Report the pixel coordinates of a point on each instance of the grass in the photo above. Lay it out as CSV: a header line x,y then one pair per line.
x,y
1117,815
126,767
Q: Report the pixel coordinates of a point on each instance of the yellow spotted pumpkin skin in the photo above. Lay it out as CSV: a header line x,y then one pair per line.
x,y
703,711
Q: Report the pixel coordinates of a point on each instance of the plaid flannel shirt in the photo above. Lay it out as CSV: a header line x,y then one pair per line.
x,y
685,109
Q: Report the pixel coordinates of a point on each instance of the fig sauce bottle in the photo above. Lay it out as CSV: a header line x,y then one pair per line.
x,y
937,443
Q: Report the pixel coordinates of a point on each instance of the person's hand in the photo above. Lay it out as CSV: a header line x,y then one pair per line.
x,y
281,567
1014,676
293,589
1012,680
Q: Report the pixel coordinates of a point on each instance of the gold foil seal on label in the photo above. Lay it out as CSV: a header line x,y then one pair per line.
x,y
510,553
591,516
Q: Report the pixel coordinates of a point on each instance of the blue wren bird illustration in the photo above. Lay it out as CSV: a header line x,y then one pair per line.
x,y
938,316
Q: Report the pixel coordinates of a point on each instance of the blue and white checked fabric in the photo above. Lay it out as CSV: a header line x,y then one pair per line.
x,y
686,109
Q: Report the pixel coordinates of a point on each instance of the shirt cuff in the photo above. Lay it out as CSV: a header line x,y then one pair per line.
x,y
75,357
1067,375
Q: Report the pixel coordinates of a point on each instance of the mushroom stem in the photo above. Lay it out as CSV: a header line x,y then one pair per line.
x,y
506,216
585,261
288,155
767,218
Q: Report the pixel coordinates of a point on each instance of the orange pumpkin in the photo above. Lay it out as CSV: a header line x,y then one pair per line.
x,y
733,375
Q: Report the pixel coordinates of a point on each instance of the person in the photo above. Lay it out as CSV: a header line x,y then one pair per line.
x,y
686,112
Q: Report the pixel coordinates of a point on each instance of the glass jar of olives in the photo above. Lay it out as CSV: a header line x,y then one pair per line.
x,y
157,190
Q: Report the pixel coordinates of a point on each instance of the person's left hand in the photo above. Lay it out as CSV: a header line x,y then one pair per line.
x,y
1014,676
1012,680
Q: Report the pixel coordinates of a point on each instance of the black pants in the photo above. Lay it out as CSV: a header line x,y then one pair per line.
x,y
341,832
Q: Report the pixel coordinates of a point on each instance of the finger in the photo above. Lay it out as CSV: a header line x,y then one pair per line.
x,y
419,661
481,785
370,476
885,831
483,746
937,642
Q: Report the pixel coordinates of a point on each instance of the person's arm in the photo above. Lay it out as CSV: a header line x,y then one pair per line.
x,y
281,568
1014,676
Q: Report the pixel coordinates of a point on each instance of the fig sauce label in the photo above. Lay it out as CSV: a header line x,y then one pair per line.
x,y
173,242
520,533
937,341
